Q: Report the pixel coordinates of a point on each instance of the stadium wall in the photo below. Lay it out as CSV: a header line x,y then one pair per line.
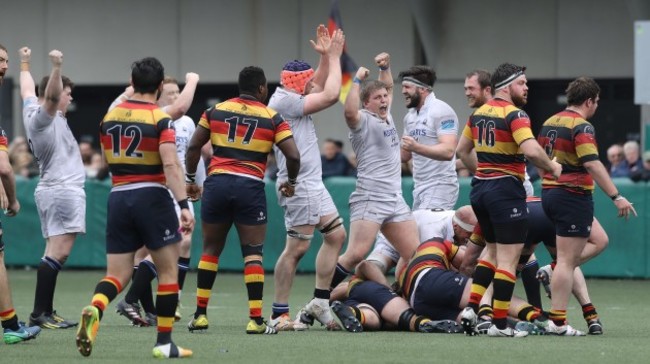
x,y
627,255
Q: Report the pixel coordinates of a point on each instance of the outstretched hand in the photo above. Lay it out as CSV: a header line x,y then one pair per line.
x,y
323,40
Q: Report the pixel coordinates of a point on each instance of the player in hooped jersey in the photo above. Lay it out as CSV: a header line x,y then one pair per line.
x,y
176,104
139,144
500,132
14,331
242,131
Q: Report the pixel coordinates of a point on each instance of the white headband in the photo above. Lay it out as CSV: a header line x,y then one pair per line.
x,y
465,226
508,80
417,83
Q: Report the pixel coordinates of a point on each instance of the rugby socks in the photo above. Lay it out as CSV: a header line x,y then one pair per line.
x,y
358,313
485,311
531,284
141,287
504,285
105,291
166,301
589,312
279,309
322,294
340,274
254,279
527,312
481,279
207,273
48,271
558,317
183,267
9,319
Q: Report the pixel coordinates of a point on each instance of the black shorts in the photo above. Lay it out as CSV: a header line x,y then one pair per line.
x,y
371,293
501,210
438,294
229,198
572,213
540,227
142,216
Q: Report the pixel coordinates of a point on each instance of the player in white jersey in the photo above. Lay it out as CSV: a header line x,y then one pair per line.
x,y
377,203
430,138
175,103
60,197
450,225
303,93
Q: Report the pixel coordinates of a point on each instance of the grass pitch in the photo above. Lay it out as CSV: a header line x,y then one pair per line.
x,y
622,305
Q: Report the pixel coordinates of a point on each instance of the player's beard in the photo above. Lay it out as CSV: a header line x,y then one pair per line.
x,y
415,100
519,100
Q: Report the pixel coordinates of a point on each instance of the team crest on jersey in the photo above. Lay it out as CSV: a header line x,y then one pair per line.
x,y
128,114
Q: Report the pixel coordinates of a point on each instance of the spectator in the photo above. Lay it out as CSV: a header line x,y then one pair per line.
x,y
96,164
632,162
642,174
86,149
333,161
615,157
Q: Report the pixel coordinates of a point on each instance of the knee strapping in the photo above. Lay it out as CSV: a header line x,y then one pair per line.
x,y
332,225
404,322
296,235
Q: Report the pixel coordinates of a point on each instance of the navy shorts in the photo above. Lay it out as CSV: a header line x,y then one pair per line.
x,y
438,294
540,227
229,198
572,213
500,207
371,293
142,216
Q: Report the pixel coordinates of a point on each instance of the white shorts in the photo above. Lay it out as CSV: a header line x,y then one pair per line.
x,y
383,248
306,207
434,224
62,210
384,209
438,197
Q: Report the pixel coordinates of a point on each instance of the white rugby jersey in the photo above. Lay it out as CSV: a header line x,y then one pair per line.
x,y
291,106
53,145
431,176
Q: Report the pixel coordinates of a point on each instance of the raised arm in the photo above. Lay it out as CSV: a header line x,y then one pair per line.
x,y
352,102
332,89
382,60
321,45
184,100
27,85
54,86
128,92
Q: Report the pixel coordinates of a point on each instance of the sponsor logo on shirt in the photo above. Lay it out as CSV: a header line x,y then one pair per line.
x,y
447,124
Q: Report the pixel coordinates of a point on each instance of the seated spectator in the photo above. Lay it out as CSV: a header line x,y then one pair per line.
x,y
632,162
333,160
95,165
615,158
642,174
